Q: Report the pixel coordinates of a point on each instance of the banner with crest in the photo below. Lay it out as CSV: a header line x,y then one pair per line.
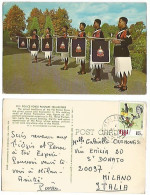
x,y
22,43
62,45
47,44
78,47
100,50
34,45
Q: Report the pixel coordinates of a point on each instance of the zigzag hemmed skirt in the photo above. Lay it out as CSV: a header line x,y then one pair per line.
x,y
34,53
64,56
123,65
48,54
79,60
94,65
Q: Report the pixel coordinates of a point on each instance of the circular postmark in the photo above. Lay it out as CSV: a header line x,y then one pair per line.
x,y
114,126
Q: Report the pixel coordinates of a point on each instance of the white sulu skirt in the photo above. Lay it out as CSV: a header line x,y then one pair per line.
x,y
95,65
48,54
123,65
79,60
34,53
64,56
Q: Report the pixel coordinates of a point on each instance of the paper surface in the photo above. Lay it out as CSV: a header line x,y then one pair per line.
x,y
73,146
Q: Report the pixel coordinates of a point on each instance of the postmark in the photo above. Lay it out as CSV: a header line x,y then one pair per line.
x,y
111,127
128,123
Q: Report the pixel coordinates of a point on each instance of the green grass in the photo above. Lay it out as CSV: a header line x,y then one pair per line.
x,y
20,75
11,48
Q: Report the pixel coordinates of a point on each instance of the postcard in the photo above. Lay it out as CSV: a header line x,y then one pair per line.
x,y
74,146
74,47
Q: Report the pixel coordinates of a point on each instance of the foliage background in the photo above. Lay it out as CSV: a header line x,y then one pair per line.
x,y
15,24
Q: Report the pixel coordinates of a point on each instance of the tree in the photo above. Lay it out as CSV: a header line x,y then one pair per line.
x,y
138,47
6,37
138,52
89,30
46,12
49,24
15,21
106,29
60,18
109,30
35,25
40,17
137,29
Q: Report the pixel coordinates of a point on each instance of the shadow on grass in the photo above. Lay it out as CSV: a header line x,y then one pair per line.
x,y
57,62
87,68
72,65
42,60
104,75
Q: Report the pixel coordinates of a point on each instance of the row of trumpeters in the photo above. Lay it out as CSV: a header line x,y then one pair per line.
x,y
100,48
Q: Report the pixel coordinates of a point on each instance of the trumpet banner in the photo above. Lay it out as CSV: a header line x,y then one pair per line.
x,y
47,44
78,47
62,45
100,50
22,43
34,44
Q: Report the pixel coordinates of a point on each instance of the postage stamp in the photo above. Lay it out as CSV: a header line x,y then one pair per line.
x,y
127,123
131,117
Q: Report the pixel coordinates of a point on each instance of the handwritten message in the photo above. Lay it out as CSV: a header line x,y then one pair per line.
x,y
60,146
